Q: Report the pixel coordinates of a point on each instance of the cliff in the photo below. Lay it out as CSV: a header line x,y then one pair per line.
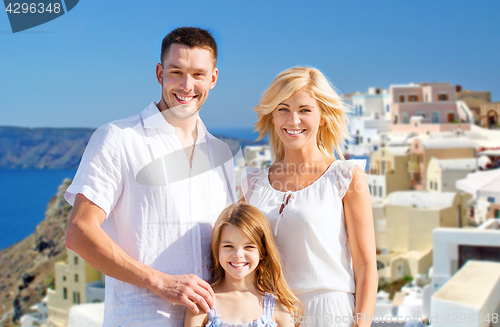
x,y
42,148
27,267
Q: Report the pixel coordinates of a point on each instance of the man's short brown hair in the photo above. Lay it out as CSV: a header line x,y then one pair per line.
x,y
193,37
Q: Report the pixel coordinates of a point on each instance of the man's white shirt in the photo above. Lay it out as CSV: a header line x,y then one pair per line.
x,y
159,209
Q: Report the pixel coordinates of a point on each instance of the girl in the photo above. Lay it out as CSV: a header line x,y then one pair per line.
x,y
247,279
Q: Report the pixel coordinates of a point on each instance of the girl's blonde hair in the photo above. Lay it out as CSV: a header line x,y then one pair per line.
x,y
333,109
268,274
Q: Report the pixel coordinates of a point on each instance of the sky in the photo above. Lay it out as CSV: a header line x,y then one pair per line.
x,y
97,62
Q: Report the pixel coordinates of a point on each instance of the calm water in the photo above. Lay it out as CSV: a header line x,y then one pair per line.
x,y
24,195
243,133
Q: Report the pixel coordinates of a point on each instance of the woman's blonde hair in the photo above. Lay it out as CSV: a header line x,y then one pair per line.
x,y
268,274
333,109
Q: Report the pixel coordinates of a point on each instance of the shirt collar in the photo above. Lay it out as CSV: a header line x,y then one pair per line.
x,y
153,118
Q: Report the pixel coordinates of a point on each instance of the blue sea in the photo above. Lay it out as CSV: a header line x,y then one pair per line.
x,y
24,194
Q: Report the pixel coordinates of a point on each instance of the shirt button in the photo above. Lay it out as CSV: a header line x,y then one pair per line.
x,y
198,271
196,238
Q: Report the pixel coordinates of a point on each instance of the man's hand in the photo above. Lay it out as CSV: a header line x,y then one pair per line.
x,y
188,290
86,237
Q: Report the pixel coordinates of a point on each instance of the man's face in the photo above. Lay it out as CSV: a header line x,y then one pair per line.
x,y
186,76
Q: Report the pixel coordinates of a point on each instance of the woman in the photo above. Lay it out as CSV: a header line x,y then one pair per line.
x,y
318,207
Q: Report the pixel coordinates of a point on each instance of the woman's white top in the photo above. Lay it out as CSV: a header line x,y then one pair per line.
x,y
310,231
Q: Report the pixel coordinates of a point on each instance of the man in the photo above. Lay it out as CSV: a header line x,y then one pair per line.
x,y
148,190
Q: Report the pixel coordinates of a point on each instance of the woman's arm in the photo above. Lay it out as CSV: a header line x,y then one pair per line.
x,y
194,320
282,316
359,221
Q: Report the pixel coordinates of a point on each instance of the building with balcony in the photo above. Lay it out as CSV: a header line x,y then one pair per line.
x,y
423,149
435,103
388,171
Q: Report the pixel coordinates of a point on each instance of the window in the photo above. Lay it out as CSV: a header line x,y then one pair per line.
x,y
432,185
76,297
383,153
406,118
361,110
435,117
413,98
76,260
65,293
401,98
64,278
497,213
356,110
370,187
426,98
387,108
380,191
491,199
436,186
374,190
443,97
76,278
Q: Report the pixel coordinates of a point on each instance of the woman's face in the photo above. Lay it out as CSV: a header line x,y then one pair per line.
x,y
297,120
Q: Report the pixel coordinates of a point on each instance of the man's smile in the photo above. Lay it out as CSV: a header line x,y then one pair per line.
x,y
184,98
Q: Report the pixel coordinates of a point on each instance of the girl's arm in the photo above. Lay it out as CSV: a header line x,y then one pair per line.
x,y
194,320
281,315
359,221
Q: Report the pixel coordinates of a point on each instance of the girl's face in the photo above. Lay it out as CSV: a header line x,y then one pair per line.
x,y
297,120
238,255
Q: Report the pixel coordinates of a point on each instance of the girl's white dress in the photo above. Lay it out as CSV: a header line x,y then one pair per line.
x,y
311,235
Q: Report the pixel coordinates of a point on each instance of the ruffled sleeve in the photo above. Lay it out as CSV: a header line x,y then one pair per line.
x,y
250,177
343,172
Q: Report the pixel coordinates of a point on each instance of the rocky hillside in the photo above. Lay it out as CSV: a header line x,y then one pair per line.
x,y
27,267
44,148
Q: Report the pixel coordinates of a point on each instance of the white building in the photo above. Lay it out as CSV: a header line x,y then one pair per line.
x,y
257,155
442,174
470,298
370,117
453,247
485,188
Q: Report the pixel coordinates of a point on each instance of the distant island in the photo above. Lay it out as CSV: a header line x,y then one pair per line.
x,y
53,148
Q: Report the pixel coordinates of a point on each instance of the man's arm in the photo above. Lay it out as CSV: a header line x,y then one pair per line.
x,y
86,237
